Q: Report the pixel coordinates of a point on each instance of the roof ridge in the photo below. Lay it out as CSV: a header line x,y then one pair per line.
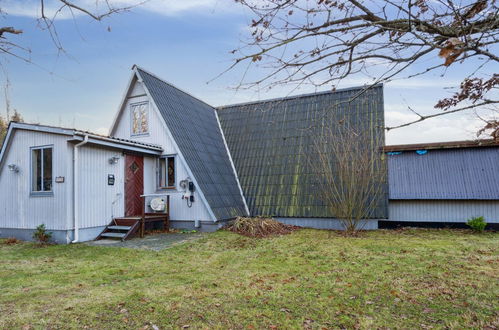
x,y
135,66
304,95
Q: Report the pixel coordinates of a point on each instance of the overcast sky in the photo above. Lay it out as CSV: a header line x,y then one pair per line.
x,y
186,43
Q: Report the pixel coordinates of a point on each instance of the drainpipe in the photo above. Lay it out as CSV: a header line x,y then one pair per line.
x,y
75,189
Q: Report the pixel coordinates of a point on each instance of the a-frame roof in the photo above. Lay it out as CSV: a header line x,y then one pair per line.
x,y
272,146
196,130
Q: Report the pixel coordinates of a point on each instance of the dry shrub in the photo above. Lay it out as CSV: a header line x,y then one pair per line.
x,y
259,227
11,241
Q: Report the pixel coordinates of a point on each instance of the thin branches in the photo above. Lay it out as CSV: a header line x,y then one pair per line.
x,y
352,172
324,42
100,10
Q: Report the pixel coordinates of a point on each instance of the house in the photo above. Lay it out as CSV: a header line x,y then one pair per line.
x,y
70,180
166,144
443,184
171,156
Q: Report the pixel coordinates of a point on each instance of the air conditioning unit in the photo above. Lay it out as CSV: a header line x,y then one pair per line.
x,y
158,204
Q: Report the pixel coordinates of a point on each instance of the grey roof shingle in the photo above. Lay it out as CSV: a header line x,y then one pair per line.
x,y
459,173
195,128
271,142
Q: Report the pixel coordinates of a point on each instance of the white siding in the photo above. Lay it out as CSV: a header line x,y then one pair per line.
x,y
99,202
178,206
442,211
158,135
18,208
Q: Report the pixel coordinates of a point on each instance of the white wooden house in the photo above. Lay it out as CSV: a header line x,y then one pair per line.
x,y
164,143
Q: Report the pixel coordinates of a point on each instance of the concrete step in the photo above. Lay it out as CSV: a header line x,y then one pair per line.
x,y
116,235
119,227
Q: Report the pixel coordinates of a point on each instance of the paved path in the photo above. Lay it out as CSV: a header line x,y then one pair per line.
x,y
156,242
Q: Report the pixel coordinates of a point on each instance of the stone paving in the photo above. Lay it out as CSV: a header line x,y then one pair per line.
x,y
155,242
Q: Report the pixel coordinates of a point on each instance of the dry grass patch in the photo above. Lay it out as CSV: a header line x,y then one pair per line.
x,y
260,227
11,241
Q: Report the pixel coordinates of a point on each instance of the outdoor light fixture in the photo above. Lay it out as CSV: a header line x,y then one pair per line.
x,y
114,160
14,168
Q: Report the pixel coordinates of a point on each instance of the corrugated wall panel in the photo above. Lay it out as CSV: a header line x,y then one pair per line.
x,y
470,173
442,211
99,202
18,209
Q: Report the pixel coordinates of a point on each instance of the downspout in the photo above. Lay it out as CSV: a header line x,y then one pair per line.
x,y
75,189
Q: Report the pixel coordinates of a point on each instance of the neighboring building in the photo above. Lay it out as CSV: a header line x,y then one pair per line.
x,y
443,183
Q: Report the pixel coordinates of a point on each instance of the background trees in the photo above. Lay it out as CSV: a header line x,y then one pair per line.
x,y
4,124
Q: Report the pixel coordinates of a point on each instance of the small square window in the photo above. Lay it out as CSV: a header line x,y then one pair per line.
x,y
167,172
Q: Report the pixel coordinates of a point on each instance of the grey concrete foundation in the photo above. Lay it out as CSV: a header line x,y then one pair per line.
x,y
325,223
205,226
58,236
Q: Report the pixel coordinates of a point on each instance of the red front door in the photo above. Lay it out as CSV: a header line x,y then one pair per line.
x,y
134,184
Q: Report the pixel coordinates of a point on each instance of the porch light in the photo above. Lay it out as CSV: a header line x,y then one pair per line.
x,y
114,160
14,168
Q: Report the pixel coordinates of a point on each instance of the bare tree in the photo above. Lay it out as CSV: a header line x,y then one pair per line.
x,y
3,129
46,20
352,172
322,42
4,124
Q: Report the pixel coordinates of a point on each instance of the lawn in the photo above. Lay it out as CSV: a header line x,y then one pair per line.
x,y
308,279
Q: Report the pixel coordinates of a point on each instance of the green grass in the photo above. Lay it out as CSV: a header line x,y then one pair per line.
x,y
309,279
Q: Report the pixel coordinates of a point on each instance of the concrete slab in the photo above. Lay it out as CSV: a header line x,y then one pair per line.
x,y
155,242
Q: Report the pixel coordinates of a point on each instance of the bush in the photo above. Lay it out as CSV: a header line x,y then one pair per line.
x,y
259,227
478,224
41,235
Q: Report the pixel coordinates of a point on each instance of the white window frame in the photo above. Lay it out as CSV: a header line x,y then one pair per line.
x,y
42,192
148,110
160,174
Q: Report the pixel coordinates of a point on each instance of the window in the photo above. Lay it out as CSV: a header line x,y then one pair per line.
x,y
41,169
140,120
167,172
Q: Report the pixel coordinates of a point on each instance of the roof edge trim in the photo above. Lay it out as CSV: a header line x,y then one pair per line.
x,y
443,145
136,68
233,166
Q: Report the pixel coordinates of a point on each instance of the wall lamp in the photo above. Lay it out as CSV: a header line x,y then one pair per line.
x,y
114,160
14,168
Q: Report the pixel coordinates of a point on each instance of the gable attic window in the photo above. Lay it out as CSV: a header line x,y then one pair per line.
x,y
139,118
167,172
41,170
